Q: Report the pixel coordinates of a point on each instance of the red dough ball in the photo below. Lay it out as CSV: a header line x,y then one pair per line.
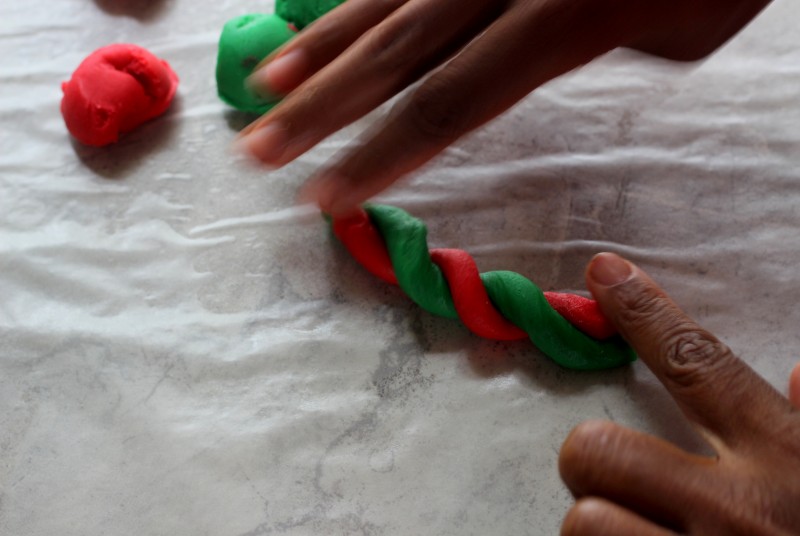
x,y
114,90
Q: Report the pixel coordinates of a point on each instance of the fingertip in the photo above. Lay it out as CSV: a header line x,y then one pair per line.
x,y
794,386
308,195
266,143
582,518
608,275
318,190
279,76
597,516
608,270
588,438
259,84
331,193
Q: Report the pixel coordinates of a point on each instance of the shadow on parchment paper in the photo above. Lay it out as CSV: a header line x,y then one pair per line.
x,y
650,398
668,422
117,160
237,120
142,10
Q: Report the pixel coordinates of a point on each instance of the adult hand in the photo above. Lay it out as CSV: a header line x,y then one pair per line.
x,y
626,482
485,56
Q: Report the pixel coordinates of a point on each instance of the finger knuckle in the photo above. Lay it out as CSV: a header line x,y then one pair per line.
x,y
322,34
435,114
750,509
690,354
392,49
687,354
639,307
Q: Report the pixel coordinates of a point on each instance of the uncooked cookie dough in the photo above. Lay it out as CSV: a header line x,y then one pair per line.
x,y
301,13
244,42
570,329
114,90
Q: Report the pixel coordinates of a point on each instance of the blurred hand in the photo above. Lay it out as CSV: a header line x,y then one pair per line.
x,y
629,483
479,56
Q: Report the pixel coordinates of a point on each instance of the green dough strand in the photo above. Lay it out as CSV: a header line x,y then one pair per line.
x,y
516,297
406,240
524,304
303,12
244,42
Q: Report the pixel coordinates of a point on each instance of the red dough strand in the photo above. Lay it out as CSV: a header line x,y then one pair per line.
x,y
472,303
365,244
470,297
582,313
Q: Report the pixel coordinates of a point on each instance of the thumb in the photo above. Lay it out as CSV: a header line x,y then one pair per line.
x,y
713,387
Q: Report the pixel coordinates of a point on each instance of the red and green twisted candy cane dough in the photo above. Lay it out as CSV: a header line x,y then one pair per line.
x,y
502,305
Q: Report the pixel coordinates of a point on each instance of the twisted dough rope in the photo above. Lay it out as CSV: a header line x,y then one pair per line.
x,y
392,245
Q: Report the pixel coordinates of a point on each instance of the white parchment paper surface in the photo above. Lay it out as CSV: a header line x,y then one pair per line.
x,y
183,353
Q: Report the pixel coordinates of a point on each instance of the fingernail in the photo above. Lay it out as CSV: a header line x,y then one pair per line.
x,y
608,269
279,73
266,144
258,84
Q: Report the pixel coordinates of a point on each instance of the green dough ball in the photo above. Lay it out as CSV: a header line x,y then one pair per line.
x,y
303,12
244,42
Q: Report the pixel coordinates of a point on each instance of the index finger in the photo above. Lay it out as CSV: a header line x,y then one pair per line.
x,y
528,45
379,64
713,387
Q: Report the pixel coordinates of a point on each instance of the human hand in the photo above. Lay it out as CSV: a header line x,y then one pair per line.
x,y
627,482
484,56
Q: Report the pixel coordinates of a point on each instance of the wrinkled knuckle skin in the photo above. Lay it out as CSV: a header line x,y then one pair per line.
x,y
687,354
753,508
436,115
690,354
639,307
324,33
392,49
